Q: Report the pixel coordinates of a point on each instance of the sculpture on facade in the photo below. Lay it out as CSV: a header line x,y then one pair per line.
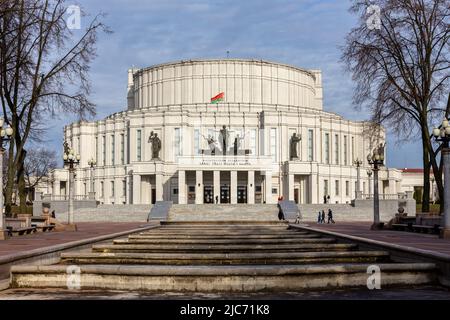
x,y
237,143
293,147
66,147
212,144
224,136
156,145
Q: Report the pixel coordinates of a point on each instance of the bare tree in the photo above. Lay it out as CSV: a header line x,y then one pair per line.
x,y
43,72
401,66
37,166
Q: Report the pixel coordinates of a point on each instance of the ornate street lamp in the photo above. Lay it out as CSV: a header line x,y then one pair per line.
x,y
71,160
358,163
92,163
376,160
5,136
442,135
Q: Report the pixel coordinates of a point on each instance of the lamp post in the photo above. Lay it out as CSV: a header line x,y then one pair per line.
x,y
70,160
358,163
369,174
376,160
5,136
92,163
442,135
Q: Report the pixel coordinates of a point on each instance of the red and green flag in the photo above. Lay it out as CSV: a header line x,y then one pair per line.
x,y
220,97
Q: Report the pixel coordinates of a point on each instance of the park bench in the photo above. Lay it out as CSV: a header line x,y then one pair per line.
x,y
46,228
21,231
403,226
427,229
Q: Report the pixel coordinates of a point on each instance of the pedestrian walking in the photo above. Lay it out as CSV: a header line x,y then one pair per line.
x,y
330,216
319,217
323,217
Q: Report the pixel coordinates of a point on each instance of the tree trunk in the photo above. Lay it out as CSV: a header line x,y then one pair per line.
x,y
11,175
426,177
21,182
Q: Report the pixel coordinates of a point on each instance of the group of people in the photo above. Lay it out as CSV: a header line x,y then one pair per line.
x,y
321,217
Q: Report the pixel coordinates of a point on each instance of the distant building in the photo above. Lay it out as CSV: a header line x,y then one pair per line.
x,y
266,136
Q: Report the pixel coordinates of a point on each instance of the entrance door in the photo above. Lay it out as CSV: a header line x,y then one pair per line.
x,y
153,196
224,194
296,192
208,195
242,194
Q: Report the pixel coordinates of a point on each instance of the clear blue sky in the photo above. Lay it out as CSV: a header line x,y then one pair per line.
x,y
305,33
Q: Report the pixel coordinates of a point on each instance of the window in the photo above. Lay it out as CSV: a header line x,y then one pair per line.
x,y
353,149
104,150
274,191
364,187
175,191
336,149
96,149
122,149
113,150
124,188
273,144
102,189
347,188
85,188
345,151
113,191
325,188
139,145
327,148
177,142
79,145
253,141
336,187
310,145
197,142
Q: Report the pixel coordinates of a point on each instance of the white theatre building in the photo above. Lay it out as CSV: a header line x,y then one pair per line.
x,y
240,150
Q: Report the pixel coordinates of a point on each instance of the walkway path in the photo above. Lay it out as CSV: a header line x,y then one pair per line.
x,y
86,230
409,239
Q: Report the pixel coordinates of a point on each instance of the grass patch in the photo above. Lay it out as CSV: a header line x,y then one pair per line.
x,y
434,209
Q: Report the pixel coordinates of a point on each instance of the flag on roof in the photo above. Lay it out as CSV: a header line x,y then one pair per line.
x,y
220,97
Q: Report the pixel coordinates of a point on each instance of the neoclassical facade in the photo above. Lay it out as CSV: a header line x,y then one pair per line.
x,y
268,137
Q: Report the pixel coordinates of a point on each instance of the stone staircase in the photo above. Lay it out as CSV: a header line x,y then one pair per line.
x,y
222,256
224,212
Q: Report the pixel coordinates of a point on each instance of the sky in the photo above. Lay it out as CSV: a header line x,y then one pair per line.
x,y
304,33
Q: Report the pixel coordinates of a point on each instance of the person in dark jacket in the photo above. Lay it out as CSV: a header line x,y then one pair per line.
x,y
323,217
280,213
330,216
319,217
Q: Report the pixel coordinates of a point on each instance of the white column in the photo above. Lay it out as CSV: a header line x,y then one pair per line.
x,y
268,187
313,191
199,187
136,189
159,187
233,186
291,186
182,187
216,185
251,187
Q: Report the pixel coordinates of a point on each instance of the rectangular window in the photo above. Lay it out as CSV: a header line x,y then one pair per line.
x,y
197,146
273,144
253,141
364,188
78,145
327,148
310,145
347,188
336,149
139,145
274,191
122,149
345,151
177,142
96,149
353,149
124,188
113,149
102,189
336,187
325,188
113,191
104,150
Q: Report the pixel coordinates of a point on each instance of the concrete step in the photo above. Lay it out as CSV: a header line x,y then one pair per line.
x,y
220,234
305,245
225,258
202,236
255,223
210,241
246,278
